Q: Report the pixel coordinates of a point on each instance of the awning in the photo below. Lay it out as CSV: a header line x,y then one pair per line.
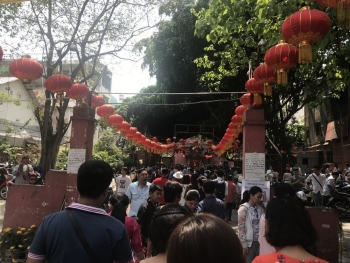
x,y
331,133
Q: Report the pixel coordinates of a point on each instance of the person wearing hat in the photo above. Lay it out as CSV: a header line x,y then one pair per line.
x,y
178,176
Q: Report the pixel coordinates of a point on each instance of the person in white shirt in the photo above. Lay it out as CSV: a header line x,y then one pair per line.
x,y
138,192
329,187
318,180
123,181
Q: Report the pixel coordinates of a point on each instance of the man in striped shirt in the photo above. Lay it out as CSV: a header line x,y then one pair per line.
x,y
56,239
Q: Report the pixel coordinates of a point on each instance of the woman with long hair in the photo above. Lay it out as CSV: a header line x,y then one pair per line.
x,y
120,202
290,231
249,214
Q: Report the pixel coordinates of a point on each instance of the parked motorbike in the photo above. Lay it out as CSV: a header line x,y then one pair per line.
x,y
341,202
4,186
307,196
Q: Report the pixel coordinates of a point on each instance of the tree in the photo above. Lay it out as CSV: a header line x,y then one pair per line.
x,y
99,29
239,25
105,149
169,56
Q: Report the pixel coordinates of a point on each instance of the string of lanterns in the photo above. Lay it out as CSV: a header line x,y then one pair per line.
x,y
299,31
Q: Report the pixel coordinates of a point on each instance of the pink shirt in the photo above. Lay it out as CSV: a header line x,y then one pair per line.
x,y
265,248
134,233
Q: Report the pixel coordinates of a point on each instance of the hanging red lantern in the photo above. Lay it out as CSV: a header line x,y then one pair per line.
x,y
124,126
256,88
168,141
105,111
281,58
1,53
240,110
236,119
78,92
97,101
58,84
209,142
132,131
195,142
233,126
343,10
115,119
155,139
245,100
266,75
305,28
26,69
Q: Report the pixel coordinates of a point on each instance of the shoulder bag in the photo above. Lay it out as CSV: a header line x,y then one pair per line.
x,y
81,236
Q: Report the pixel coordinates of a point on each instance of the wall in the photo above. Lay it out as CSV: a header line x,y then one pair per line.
x,y
29,204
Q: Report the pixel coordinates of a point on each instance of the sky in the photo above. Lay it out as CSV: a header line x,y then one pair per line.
x,y
129,77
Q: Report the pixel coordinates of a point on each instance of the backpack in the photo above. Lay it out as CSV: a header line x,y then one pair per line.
x,y
220,189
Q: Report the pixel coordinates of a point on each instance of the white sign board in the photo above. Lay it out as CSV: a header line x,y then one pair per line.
x,y
75,158
264,185
254,164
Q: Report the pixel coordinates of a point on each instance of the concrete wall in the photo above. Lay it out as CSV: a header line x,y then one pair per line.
x,y
27,205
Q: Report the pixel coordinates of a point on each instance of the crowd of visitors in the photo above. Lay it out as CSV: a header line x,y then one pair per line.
x,y
177,215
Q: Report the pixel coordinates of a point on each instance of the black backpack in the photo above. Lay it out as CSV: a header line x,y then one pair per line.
x,y
220,189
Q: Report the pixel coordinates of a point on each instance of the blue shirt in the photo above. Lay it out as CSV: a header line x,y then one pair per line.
x,y
56,240
137,196
213,205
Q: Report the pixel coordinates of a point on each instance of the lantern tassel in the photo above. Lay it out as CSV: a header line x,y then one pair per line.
x,y
267,89
343,11
305,52
257,99
282,77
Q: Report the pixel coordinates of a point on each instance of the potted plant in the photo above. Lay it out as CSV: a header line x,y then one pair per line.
x,y
15,244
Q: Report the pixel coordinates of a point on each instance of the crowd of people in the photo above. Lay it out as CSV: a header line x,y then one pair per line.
x,y
182,218
319,183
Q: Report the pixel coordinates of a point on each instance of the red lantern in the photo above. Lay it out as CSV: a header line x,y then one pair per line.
x,y
1,54
132,131
236,119
304,28
282,57
124,126
97,101
182,141
195,142
265,74
58,83
209,142
233,126
77,92
105,111
155,139
256,88
115,119
240,110
343,10
168,141
26,69
245,100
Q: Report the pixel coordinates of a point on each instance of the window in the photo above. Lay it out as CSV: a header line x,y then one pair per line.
x,y
317,128
329,156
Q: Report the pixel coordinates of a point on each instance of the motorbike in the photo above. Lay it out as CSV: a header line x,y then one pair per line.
x,y
4,186
340,201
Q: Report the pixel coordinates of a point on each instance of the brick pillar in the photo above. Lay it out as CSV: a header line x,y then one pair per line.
x,y
83,126
253,135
